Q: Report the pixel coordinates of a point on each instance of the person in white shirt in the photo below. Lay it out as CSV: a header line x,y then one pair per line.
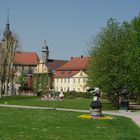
x,y
61,95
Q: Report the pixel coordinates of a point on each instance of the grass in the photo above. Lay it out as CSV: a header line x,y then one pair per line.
x,y
27,124
30,124
66,103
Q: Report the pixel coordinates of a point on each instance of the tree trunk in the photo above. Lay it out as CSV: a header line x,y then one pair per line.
x,y
6,88
0,88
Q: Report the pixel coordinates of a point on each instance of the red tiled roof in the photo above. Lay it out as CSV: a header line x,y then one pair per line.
x,y
53,64
26,58
72,67
76,63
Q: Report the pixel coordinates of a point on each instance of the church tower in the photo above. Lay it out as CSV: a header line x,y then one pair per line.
x,y
7,33
45,52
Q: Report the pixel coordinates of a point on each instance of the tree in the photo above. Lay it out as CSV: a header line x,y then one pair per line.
x,y
110,53
7,49
40,83
135,55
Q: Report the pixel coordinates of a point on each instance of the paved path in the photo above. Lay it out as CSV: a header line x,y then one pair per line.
x,y
135,116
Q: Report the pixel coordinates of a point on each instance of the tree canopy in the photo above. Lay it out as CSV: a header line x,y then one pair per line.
x,y
115,56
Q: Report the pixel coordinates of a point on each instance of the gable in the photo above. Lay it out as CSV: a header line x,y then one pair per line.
x,y
80,74
41,68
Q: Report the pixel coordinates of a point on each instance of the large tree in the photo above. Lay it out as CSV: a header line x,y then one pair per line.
x,y
135,55
8,46
111,57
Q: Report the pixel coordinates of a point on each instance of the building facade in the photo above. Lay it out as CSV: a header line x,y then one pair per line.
x,y
48,66
72,76
25,61
24,64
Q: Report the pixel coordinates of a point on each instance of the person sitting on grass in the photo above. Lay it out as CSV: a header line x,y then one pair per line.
x,y
44,97
61,95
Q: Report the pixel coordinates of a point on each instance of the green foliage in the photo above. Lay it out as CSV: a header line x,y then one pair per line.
x,y
22,79
24,88
135,55
40,83
115,57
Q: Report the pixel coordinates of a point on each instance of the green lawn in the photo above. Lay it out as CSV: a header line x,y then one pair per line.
x,y
28,124
66,103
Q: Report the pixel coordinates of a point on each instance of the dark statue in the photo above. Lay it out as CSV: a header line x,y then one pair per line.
x,y
123,100
95,105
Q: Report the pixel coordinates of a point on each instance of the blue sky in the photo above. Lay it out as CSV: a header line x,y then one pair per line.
x,y
66,25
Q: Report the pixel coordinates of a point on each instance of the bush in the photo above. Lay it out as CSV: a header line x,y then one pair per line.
x,y
39,93
24,88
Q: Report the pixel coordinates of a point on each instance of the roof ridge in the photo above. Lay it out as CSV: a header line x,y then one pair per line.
x,y
24,52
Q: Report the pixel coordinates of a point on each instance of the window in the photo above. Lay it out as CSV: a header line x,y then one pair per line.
x,y
62,72
68,89
84,80
22,68
64,89
69,72
16,68
73,80
78,80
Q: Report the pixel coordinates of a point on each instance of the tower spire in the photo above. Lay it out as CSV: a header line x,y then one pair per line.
x,y
45,43
45,52
7,31
8,24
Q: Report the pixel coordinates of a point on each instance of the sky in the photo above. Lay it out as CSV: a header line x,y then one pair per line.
x,y
66,25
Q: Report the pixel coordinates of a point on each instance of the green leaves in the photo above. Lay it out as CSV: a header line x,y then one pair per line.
x,y
115,57
40,82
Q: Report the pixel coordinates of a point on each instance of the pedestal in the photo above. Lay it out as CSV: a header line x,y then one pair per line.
x,y
95,108
96,112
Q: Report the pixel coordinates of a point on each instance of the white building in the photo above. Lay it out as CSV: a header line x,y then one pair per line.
x,y
72,75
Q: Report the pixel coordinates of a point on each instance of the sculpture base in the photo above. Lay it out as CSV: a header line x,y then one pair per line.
x,y
95,112
124,105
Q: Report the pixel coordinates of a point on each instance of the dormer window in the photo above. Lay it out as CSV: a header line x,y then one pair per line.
x,y
62,72
69,72
81,74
